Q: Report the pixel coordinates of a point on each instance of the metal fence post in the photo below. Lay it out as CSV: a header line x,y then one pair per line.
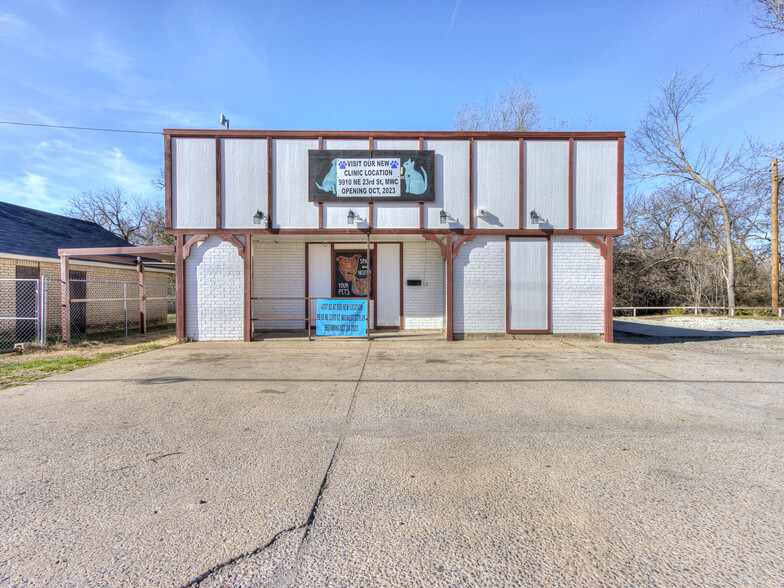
x,y
125,306
37,310
42,307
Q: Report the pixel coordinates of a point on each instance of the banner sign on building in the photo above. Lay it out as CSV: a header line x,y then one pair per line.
x,y
341,318
351,274
371,176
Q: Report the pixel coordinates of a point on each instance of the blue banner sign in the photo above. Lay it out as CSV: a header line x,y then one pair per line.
x,y
341,318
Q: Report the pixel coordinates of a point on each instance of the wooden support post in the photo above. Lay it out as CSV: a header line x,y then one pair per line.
x,y
608,290
65,301
774,233
247,259
450,318
142,297
179,296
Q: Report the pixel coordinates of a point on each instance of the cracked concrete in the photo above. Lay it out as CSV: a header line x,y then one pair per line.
x,y
401,462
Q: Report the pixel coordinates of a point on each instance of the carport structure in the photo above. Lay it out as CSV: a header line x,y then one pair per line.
x,y
134,256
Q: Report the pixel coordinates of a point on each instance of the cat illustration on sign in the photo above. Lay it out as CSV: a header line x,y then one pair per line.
x,y
330,182
416,183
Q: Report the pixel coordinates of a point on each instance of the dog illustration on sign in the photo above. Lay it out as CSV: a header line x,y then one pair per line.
x,y
416,183
348,266
330,181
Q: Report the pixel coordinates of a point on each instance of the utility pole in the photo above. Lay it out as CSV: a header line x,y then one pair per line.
x,y
774,229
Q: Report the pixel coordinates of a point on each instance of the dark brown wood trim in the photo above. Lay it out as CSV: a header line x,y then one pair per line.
x,y
270,199
332,270
363,232
179,285
508,305
236,242
439,242
402,310
370,215
395,135
218,187
470,184
598,242
421,143
370,142
307,284
570,205
248,288
186,250
321,215
459,242
549,285
521,189
421,215
167,178
608,291
450,317
620,184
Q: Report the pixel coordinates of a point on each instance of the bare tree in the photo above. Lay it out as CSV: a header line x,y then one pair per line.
x,y
515,108
159,181
767,16
137,220
662,152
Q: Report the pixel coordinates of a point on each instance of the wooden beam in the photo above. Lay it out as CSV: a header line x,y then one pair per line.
x,y
186,250
150,251
142,298
608,291
598,242
236,242
248,325
179,296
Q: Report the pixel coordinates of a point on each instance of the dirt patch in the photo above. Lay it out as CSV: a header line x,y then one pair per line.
x,y
39,362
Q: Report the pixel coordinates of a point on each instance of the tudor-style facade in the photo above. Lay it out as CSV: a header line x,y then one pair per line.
x,y
469,258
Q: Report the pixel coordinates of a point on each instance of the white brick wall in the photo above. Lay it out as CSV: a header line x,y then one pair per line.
x,y
214,281
480,286
578,286
279,271
423,306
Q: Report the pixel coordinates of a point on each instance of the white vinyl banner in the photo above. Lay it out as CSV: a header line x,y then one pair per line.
x,y
360,178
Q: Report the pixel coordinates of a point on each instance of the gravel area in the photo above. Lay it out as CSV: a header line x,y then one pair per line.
x,y
712,323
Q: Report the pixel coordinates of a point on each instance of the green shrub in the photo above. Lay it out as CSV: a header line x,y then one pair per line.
x,y
677,311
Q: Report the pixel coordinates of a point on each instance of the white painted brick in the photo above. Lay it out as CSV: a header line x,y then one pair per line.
x,y
480,286
279,271
577,286
214,281
423,306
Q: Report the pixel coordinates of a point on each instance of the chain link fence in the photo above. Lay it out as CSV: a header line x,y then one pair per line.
x,y
30,310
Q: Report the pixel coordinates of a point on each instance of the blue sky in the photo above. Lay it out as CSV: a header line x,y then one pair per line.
x,y
341,65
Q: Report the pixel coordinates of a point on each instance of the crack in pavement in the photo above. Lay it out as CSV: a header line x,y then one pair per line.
x,y
213,570
314,509
325,482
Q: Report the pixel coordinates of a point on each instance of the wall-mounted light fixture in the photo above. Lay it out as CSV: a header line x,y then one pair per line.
x,y
258,217
481,213
443,217
535,218
350,217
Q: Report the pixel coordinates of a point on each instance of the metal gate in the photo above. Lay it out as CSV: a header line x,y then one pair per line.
x,y
22,319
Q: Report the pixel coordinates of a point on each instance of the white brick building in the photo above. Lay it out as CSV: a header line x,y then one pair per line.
x,y
469,233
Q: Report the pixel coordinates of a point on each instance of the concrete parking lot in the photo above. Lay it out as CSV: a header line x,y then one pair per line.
x,y
400,462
